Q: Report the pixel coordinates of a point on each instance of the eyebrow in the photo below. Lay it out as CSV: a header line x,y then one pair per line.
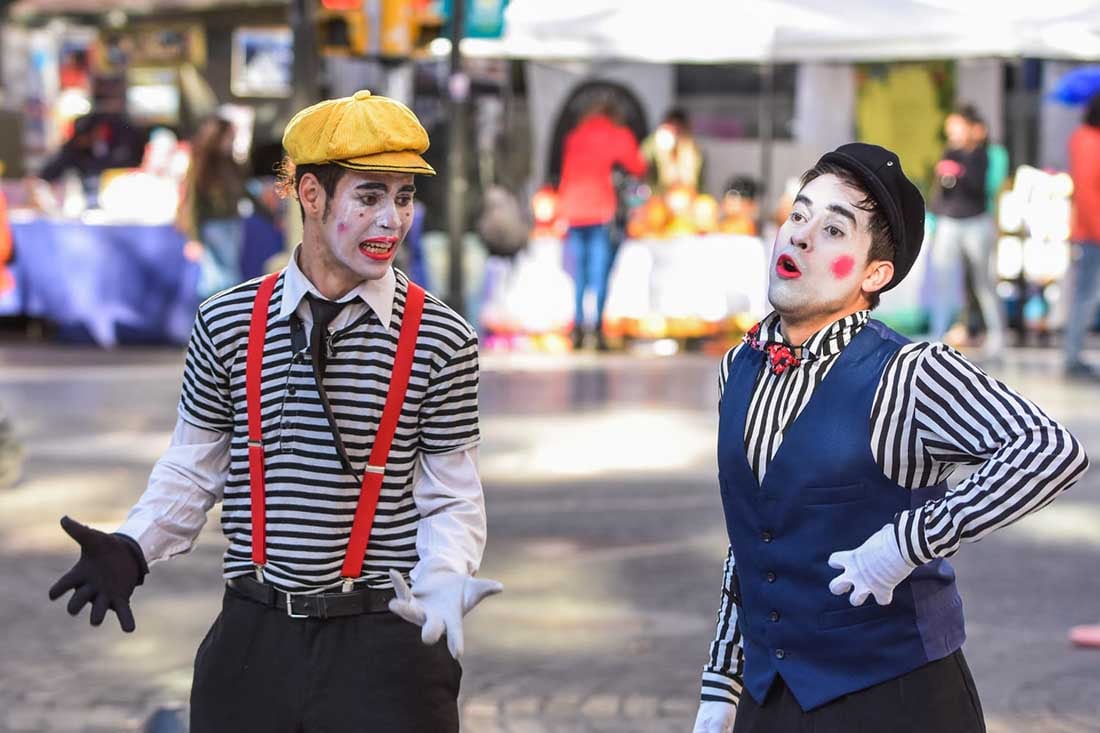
x,y
376,186
835,208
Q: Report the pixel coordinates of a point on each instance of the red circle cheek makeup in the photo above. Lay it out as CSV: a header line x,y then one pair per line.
x,y
842,266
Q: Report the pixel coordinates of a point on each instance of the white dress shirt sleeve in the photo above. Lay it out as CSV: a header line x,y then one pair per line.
x,y
188,479
451,533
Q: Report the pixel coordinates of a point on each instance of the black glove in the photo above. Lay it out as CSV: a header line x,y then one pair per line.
x,y
109,568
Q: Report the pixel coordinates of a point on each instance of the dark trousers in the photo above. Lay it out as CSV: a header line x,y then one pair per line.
x,y
939,697
260,670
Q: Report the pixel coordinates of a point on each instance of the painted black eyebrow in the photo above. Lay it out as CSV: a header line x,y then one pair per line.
x,y
376,186
835,208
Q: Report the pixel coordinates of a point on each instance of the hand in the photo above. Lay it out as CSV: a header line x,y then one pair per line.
x,y
438,603
109,568
874,568
715,717
948,167
193,250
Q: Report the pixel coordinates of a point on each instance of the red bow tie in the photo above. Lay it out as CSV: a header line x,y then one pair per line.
x,y
780,356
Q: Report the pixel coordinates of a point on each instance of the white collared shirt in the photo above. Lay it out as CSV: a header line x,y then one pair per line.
x,y
374,294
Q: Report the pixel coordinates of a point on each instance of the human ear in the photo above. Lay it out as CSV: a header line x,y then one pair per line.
x,y
877,275
311,194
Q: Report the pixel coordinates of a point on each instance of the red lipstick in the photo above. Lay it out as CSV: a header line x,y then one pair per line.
x,y
787,268
378,248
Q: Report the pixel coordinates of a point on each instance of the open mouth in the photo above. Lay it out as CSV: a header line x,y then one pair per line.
x,y
378,248
787,268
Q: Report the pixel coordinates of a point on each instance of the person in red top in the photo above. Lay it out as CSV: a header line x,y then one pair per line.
x,y
587,200
1084,168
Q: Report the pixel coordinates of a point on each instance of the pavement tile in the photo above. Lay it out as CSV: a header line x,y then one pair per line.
x,y
584,640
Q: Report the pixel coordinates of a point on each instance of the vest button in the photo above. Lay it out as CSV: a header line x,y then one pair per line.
x,y
773,616
770,577
291,389
779,653
766,536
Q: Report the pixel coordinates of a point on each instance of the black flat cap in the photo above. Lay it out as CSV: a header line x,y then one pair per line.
x,y
880,172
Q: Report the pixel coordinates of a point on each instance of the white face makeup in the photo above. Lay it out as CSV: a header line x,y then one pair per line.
x,y
369,215
820,252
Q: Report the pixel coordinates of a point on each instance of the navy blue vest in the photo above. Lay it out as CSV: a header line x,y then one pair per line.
x,y
823,492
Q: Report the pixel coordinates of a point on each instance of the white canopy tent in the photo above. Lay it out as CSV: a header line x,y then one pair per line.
x,y
716,31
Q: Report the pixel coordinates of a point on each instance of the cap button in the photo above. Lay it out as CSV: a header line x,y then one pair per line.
x,y
362,94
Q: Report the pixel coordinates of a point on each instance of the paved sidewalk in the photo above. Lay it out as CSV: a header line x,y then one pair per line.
x,y
605,527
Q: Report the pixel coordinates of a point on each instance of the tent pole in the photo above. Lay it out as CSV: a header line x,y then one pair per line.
x,y
766,122
307,58
457,185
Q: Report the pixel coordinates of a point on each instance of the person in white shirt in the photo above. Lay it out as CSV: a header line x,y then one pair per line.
x,y
332,408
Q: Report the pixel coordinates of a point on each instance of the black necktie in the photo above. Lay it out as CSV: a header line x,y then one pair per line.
x,y
324,312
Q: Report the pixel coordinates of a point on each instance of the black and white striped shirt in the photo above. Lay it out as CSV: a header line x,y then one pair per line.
x,y
311,498
933,412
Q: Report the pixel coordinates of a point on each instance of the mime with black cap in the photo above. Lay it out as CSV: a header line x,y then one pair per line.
x,y
839,610
332,409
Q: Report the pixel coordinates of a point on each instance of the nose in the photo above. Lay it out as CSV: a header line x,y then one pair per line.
x,y
387,216
800,239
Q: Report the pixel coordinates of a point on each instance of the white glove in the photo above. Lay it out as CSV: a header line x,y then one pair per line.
x,y
438,603
874,568
714,717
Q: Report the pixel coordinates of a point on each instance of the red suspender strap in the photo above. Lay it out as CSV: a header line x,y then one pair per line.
x,y
376,465
253,377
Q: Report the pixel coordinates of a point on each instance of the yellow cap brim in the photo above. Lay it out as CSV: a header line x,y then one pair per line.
x,y
405,161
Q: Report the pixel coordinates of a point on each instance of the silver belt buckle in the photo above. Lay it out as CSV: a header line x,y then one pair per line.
x,y
290,608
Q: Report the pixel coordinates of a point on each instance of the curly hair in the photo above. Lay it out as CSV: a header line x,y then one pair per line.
x,y
289,176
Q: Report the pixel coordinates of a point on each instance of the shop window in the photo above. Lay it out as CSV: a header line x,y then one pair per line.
x,y
723,100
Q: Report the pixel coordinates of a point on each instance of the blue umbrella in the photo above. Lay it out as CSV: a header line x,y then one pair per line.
x,y
1077,86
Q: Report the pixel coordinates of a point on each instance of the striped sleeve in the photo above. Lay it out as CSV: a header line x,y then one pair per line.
x,y
723,673
449,413
205,399
960,415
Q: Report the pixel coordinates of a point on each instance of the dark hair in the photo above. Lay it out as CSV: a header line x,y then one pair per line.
x,y
211,168
290,175
1092,111
603,103
969,113
678,116
744,186
882,239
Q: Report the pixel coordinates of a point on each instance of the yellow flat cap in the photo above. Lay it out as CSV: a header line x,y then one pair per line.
x,y
364,131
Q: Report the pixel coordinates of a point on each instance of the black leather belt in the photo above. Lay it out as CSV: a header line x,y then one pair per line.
x,y
320,605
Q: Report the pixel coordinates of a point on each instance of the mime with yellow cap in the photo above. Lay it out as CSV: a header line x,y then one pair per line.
x,y
331,408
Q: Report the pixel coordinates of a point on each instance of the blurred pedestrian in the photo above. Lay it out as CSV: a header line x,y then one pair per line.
x,y
836,435
100,140
964,229
1084,166
209,210
996,175
304,439
673,157
740,208
588,201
